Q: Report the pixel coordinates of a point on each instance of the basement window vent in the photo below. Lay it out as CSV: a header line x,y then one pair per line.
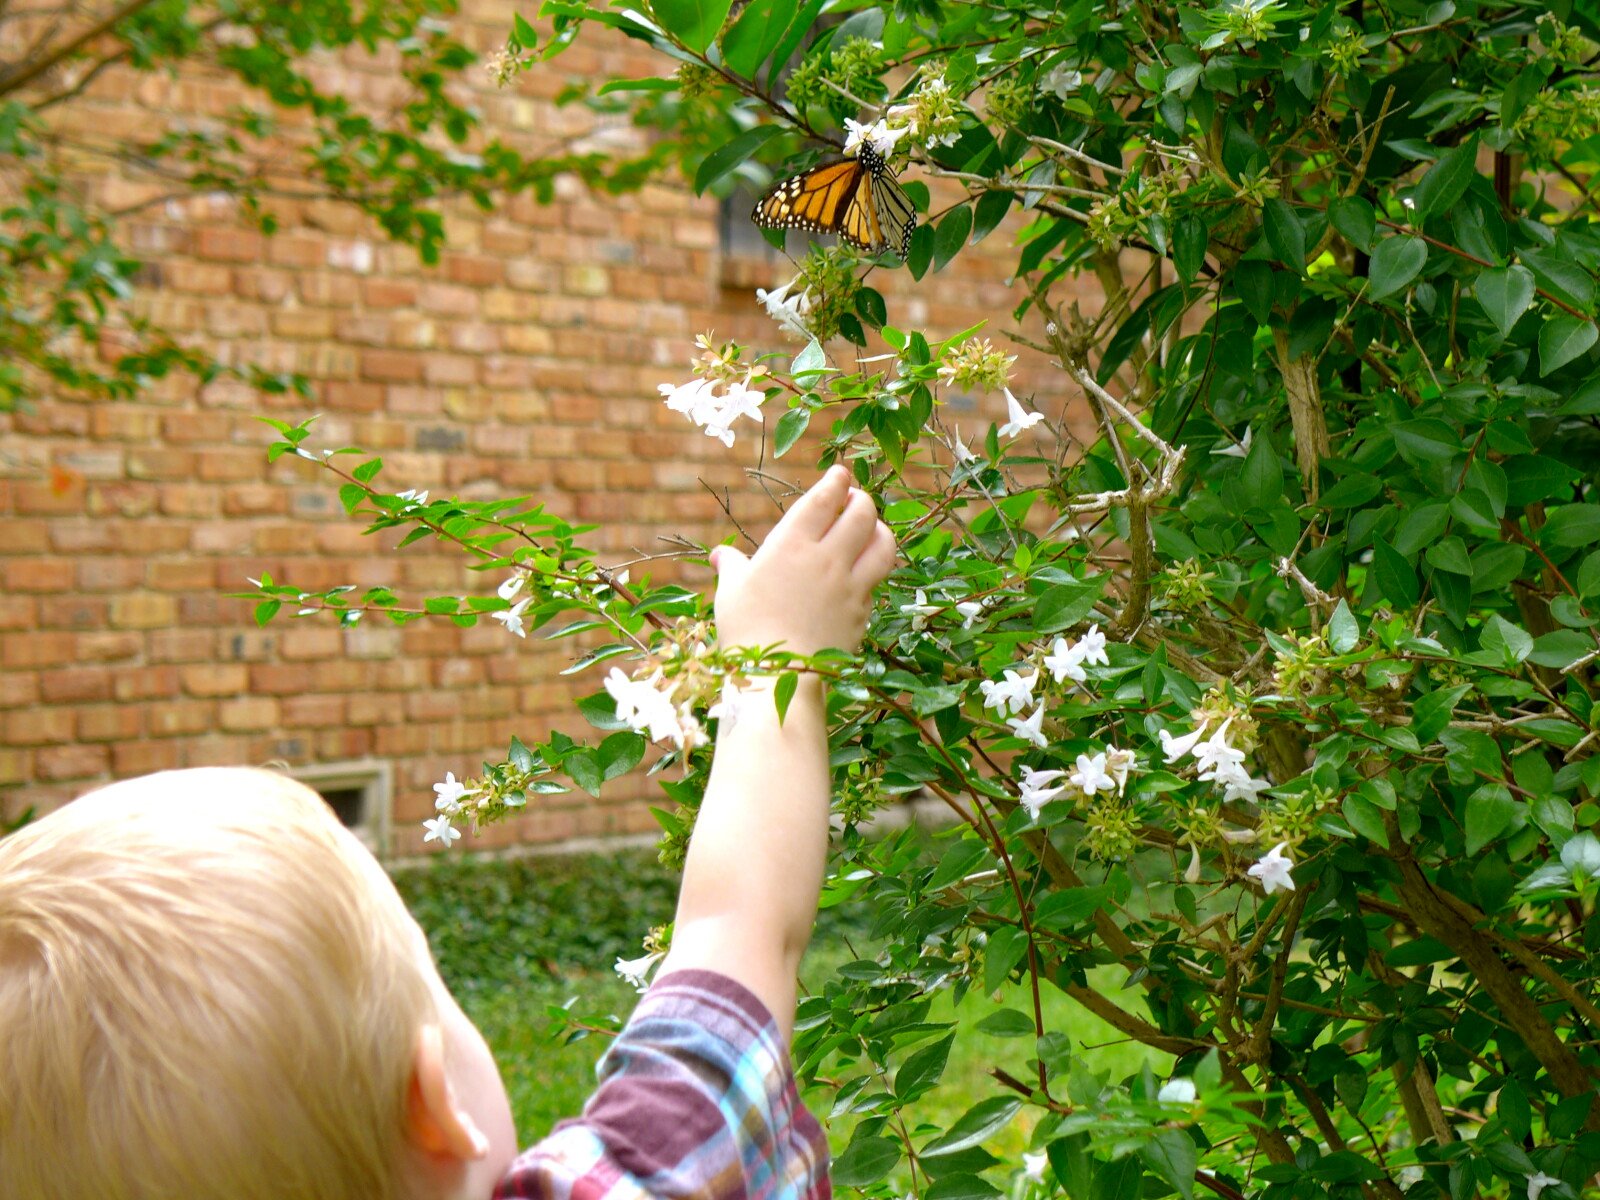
x,y
360,795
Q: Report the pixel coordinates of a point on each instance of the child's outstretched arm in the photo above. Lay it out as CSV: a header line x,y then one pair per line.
x,y
756,860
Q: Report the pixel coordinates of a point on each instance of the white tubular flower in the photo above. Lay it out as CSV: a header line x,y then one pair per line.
x,y
1011,694
1034,791
920,611
740,400
1065,661
1020,418
1237,784
449,794
788,311
728,705
512,617
1119,763
1176,747
1032,728
1091,647
1177,1091
1538,1181
1033,1166
959,449
644,707
1091,775
440,830
688,398
1212,753
968,610
878,135
1236,449
637,970
512,586
1060,81
414,498
1273,870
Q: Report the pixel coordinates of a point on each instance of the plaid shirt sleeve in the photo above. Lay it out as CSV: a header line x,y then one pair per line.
x,y
696,1100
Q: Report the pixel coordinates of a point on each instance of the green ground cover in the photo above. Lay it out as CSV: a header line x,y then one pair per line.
x,y
518,939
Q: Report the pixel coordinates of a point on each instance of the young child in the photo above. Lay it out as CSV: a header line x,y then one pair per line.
x,y
209,989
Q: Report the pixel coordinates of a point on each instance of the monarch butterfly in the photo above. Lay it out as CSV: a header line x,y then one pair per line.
x,y
856,198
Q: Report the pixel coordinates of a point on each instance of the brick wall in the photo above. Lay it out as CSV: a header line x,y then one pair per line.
x,y
526,361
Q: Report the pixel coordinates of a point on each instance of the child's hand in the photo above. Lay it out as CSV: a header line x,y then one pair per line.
x,y
810,584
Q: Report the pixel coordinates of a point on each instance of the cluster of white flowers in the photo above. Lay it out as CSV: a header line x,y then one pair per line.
x,y
788,311
714,412
1010,694
449,801
1219,761
647,707
1098,771
930,114
637,970
1066,660
512,617
412,498
878,135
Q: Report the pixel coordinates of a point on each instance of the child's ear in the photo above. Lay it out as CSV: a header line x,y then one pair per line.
x,y
436,1122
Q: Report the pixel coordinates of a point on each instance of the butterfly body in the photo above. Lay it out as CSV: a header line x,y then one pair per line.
x,y
856,198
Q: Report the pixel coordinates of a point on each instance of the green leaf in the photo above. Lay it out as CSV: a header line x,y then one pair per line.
x,y
1394,575
1431,713
784,692
728,156
809,362
756,34
1190,237
1261,478
1395,263
351,495
1490,811
1285,234
1572,525
979,1123
620,753
1171,1155
865,1161
1447,180
1424,442
1006,947
1007,1023
1354,219
1364,817
951,235
1343,631
1505,293
990,210
1066,604
1562,339
367,470
961,1185
266,610
921,251
584,769
519,756
695,23
1506,639
790,426
523,32
1061,910
922,1070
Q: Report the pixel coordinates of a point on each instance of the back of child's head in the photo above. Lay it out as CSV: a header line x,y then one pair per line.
x,y
207,989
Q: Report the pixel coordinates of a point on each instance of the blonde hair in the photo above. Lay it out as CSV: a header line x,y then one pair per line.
x,y
207,988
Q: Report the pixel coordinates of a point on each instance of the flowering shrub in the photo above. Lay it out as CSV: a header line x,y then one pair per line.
x,y
1278,698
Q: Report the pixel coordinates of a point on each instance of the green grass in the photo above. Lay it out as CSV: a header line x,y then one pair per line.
x,y
514,938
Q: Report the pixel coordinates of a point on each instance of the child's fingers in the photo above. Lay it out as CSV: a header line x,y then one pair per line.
x,y
853,530
878,558
814,513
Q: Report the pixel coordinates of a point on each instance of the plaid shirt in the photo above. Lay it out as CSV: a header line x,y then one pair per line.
x,y
696,1100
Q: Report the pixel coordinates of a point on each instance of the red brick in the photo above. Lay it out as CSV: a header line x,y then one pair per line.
x,y
228,245
177,717
248,713
76,684
394,365
21,689
38,575
145,683
300,712
35,649
16,766
36,727
144,756
110,723
143,610
72,762
215,679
